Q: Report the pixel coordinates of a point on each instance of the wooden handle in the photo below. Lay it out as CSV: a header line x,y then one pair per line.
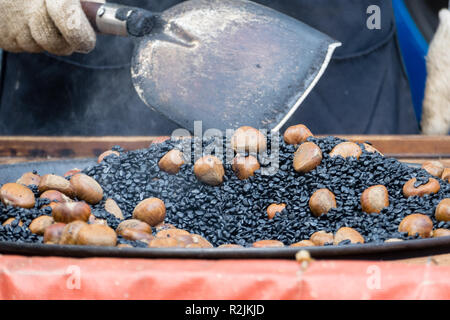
x,y
91,9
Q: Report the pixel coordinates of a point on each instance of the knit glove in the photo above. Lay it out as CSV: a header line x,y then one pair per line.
x,y
436,105
57,26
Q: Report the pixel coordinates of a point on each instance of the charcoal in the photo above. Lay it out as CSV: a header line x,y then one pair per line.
x,y
235,212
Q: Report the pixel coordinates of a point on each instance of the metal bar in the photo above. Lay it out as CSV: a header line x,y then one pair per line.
x,y
369,251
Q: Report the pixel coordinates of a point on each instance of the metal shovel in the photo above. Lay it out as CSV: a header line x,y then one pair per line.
x,y
227,63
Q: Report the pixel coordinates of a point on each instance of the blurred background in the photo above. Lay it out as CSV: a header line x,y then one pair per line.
x,y
417,21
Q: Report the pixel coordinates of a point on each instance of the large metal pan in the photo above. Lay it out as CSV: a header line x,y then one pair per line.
x,y
387,251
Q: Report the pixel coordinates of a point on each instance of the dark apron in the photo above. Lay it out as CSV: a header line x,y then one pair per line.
x,y
364,90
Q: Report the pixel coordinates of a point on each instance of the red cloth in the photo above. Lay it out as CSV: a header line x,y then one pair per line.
x,y
111,278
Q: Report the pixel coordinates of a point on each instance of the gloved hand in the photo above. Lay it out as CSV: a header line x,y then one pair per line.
x,y
57,26
436,105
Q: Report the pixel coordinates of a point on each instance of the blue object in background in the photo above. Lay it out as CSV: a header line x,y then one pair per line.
x,y
414,49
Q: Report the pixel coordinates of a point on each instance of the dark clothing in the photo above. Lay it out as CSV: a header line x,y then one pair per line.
x,y
363,91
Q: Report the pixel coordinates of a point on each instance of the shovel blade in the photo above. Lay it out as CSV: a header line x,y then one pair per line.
x,y
229,63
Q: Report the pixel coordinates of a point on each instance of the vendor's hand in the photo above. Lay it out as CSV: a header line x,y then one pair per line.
x,y
436,105
57,26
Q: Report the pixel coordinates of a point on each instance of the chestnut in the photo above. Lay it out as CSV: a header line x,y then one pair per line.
x,y
164,226
29,178
297,134
171,162
346,233
192,241
54,182
374,199
446,175
322,201
268,244
435,168
133,224
17,195
199,241
416,224
106,154
70,211
441,233
86,188
186,240
101,221
321,238
96,235
136,235
94,220
10,220
209,170
165,243
38,225
71,172
248,139
303,243
245,167
442,212
151,210
409,190
55,196
346,149
275,208
52,234
70,232
369,148
112,207
307,157
171,233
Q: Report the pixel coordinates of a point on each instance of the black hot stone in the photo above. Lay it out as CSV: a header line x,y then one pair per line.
x,y
235,212
421,181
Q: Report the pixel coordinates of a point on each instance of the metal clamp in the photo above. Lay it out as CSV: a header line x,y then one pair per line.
x,y
107,21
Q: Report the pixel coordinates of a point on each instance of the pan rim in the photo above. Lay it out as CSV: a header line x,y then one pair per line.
x,y
369,251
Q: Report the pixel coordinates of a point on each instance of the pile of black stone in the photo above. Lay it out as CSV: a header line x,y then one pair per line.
x,y
235,212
